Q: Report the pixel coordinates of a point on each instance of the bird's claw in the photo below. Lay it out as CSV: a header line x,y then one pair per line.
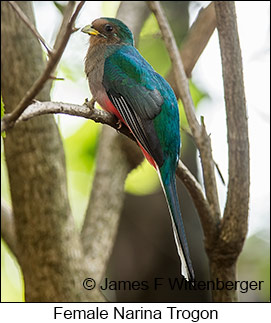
x,y
119,123
90,104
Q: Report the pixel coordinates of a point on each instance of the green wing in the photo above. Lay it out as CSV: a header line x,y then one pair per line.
x,y
131,85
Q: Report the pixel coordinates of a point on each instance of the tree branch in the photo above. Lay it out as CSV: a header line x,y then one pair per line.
x,y
103,117
42,108
24,18
234,222
51,65
50,250
65,24
202,139
197,194
195,42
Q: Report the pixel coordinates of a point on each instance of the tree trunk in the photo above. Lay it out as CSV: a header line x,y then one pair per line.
x,y
224,252
48,246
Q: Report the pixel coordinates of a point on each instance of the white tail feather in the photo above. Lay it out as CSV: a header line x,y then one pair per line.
x,y
184,265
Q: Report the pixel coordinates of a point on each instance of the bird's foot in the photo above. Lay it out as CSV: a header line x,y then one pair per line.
x,y
90,104
119,123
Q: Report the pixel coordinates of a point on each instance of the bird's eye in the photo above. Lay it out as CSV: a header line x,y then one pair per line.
x,y
108,28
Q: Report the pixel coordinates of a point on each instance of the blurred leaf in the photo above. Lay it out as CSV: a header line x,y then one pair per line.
x,y
81,147
150,27
254,264
5,191
80,151
197,95
69,71
2,114
2,108
12,284
60,5
110,8
178,17
142,180
152,48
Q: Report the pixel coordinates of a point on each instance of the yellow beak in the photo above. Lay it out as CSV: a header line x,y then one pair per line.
x,y
89,30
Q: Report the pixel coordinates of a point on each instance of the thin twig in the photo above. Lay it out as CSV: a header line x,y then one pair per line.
x,y
188,133
51,65
24,18
220,173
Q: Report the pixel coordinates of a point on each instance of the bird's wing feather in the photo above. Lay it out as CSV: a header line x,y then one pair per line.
x,y
129,83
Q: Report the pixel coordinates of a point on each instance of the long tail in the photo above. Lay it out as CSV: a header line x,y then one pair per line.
x,y
169,187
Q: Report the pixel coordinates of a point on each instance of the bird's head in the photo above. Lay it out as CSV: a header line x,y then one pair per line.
x,y
109,31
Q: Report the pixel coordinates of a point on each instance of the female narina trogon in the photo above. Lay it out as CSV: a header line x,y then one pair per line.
x,y
125,84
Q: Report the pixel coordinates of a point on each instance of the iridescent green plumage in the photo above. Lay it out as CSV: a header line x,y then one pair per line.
x,y
145,102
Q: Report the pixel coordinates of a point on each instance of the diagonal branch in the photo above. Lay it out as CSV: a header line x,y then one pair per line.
x,y
195,190
24,18
195,42
42,108
103,117
202,139
51,65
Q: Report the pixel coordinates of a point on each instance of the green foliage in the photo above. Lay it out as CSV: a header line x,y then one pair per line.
x,y
197,95
152,48
12,285
254,264
70,71
2,114
80,151
59,6
5,191
142,180
110,8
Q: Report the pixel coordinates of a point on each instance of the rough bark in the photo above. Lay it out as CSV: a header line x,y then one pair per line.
x,y
116,157
49,249
53,256
105,204
233,228
224,237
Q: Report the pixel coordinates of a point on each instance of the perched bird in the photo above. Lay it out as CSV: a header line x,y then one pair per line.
x,y
125,84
